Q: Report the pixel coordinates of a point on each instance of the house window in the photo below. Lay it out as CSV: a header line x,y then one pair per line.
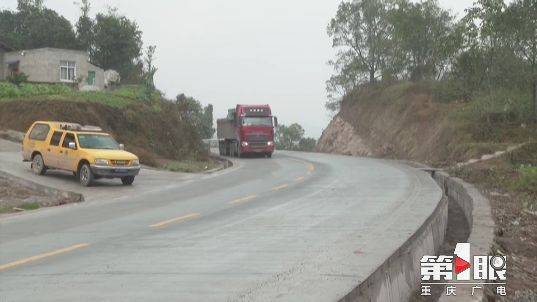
x,y
91,78
67,71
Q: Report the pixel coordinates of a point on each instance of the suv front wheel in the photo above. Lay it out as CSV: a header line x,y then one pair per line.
x,y
85,176
38,165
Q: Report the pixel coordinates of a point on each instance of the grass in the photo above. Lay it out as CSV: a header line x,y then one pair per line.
x,y
191,166
527,180
5,209
118,98
25,206
30,206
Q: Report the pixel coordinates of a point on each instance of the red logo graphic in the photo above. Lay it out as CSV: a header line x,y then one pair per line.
x,y
461,265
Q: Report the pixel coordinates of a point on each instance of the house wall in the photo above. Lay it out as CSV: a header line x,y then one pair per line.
x,y
43,65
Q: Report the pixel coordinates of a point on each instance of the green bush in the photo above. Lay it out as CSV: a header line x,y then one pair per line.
x,y
527,180
18,78
8,90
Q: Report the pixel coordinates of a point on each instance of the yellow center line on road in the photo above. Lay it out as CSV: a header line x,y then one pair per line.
x,y
176,220
280,187
42,256
301,178
311,168
243,200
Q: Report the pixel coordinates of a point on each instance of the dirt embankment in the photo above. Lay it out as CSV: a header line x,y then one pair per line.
x,y
146,131
398,122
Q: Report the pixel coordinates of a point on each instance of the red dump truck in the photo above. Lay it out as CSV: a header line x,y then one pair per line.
x,y
247,129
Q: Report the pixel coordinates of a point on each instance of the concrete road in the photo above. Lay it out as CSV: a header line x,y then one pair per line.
x,y
297,227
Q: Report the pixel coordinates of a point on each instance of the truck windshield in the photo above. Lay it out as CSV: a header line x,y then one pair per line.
x,y
257,121
96,141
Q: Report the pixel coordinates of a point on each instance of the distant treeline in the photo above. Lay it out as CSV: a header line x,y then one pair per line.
x,y
492,48
292,138
112,40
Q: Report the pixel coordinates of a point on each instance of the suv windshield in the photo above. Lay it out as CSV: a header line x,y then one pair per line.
x,y
257,121
97,141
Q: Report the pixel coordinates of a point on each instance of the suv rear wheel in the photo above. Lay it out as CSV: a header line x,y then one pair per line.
x,y
38,165
127,180
85,176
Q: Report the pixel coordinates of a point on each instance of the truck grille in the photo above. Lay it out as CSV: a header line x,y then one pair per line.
x,y
120,163
257,140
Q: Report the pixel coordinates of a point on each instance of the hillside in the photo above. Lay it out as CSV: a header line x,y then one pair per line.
x,y
159,131
407,121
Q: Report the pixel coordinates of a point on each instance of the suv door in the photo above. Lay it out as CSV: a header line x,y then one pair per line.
x,y
52,154
68,156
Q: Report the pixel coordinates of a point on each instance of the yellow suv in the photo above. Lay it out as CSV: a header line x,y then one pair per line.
x,y
84,150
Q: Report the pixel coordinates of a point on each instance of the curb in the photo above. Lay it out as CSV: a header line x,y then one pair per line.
x,y
226,163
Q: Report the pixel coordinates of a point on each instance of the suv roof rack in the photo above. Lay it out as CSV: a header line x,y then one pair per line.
x,y
78,127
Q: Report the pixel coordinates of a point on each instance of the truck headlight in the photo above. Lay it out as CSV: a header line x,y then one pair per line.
x,y
270,143
244,144
102,162
136,162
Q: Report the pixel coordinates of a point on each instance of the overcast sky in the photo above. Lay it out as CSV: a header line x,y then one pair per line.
x,y
238,51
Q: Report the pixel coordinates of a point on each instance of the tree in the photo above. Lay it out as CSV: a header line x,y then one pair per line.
x,y
28,5
523,15
288,138
362,31
117,45
207,122
200,117
84,27
34,26
149,73
425,34
307,144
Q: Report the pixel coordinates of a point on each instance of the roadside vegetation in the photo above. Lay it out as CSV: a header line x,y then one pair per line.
x,y
417,82
133,110
292,138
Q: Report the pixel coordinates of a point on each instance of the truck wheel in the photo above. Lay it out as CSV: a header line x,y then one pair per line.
x,y
269,155
228,149
238,150
221,149
127,180
38,165
85,176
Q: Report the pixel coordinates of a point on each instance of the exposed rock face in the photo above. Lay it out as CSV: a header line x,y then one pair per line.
x,y
340,137
395,122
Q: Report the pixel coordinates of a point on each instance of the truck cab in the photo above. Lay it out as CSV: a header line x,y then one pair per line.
x,y
248,129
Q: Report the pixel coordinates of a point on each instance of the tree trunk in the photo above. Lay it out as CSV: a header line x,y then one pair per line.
x,y
371,76
534,100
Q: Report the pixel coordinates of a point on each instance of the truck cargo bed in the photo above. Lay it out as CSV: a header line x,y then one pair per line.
x,y
225,129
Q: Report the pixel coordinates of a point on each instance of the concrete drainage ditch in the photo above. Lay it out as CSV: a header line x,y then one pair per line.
x,y
398,278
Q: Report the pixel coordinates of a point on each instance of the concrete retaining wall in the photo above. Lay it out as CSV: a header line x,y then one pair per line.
x,y
399,276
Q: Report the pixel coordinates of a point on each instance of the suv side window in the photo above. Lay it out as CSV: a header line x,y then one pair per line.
x,y
69,137
39,132
56,137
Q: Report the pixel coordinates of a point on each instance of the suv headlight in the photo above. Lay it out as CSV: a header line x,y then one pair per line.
x,y
244,144
102,162
270,143
135,162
